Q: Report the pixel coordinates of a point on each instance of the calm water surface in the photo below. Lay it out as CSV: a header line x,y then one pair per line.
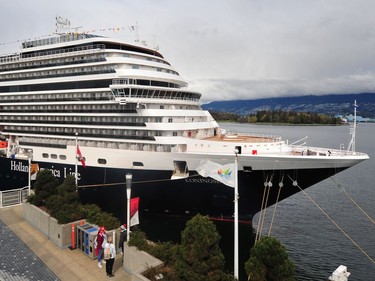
x,y
313,242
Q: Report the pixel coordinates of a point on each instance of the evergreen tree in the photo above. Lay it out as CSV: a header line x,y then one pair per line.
x,y
45,186
199,256
269,262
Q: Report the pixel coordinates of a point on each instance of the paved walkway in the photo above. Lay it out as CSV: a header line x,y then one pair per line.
x,y
26,254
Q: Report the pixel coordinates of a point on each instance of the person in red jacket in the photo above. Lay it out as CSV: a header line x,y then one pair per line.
x,y
100,241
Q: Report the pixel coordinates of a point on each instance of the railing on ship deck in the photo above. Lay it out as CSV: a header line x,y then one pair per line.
x,y
13,197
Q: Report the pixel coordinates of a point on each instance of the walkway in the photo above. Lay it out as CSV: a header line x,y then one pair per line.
x,y
27,254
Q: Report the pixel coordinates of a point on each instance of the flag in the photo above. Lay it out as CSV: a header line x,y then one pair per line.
x,y
134,214
80,157
222,173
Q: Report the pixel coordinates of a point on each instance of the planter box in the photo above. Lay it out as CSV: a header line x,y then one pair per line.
x,y
59,234
136,262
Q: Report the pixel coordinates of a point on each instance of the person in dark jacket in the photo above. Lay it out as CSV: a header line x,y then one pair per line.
x,y
122,239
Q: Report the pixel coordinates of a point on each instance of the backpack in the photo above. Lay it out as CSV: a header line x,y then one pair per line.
x,y
107,253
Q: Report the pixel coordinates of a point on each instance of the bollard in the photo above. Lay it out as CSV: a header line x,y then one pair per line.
x,y
73,238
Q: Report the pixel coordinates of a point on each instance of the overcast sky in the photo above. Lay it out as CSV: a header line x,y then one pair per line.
x,y
228,49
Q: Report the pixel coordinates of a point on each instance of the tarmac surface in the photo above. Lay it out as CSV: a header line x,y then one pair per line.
x,y
26,254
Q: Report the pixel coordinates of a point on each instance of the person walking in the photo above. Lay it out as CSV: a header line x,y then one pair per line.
x,y
122,238
109,255
100,241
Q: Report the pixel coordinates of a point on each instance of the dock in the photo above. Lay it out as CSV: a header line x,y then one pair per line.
x,y
28,255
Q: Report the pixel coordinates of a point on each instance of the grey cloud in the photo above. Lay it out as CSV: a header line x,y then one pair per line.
x,y
229,49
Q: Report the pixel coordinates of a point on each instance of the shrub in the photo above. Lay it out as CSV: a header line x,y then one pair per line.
x,y
138,239
269,261
62,201
54,203
105,219
199,256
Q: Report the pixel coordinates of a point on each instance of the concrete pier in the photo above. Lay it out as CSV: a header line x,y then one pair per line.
x,y
27,254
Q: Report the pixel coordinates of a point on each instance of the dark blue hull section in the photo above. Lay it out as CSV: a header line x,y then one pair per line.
x,y
13,173
184,197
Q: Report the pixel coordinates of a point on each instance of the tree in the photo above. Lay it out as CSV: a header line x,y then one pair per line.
x,y
62,201
269,262
45,187
199,256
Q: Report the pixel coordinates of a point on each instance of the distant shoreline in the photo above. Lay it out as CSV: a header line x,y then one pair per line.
x,y
281,124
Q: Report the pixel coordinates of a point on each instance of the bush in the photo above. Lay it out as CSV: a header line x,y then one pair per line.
x,y
54,203
269,261
62,201
138,239
69,213
199,256
165,251
105,219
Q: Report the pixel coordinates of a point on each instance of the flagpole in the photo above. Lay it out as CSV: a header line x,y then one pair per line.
x,y
128,178
236,216
29,179
76,163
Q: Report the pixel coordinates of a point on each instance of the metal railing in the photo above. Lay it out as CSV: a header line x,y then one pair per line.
x,y
13,197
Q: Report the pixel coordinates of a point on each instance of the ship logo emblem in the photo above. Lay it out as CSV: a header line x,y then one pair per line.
x,y
224,173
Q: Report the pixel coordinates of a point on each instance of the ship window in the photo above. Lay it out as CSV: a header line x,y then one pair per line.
x,y
62,157
45,155
170,120
53,156
102,161
138,164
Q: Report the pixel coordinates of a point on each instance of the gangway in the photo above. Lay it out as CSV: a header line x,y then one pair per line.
x,y
13,197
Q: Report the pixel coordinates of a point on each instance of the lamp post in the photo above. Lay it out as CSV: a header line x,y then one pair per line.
x,y
29,179
76,162
236,151
128,178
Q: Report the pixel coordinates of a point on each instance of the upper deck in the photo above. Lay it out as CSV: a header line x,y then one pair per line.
x,y
244,138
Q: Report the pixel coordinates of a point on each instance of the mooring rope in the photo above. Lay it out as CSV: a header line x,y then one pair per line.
x,y
133,182
355,203
316,204
269,185
260,213
281,184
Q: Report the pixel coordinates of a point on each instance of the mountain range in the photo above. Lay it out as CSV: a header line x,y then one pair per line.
x,y
328,104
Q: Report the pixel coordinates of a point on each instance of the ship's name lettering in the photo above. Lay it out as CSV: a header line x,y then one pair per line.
x,y
208,180
58,173
18,166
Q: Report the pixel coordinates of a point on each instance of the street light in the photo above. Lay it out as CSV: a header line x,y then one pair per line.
x,y
236,196
29,179
128,178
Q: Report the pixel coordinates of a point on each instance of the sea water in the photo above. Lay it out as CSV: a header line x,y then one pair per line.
x,y
314,243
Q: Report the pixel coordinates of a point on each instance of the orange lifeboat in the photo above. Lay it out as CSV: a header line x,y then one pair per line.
x,y
3,144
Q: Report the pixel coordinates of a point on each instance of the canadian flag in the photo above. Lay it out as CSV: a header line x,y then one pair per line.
x,y
134,215
80,157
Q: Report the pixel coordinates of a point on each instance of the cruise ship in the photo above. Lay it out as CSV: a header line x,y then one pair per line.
x,y
130,112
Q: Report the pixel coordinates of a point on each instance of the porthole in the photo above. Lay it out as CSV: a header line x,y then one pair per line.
x,y
102,161
53,156
45,155
138,164
62,157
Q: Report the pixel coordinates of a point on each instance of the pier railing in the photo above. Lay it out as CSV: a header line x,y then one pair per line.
x,y
13,197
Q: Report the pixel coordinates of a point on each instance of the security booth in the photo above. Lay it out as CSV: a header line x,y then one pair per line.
x,y
86,234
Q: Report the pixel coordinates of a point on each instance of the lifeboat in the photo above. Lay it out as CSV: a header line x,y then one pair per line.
x,y
3,144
